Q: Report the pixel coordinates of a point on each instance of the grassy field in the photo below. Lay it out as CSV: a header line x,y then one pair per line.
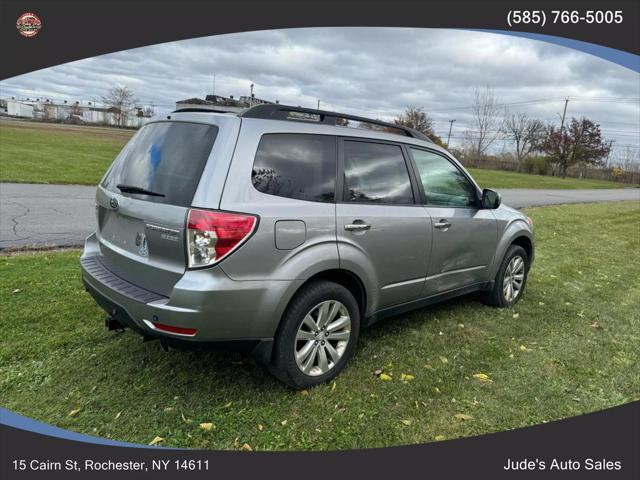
x,y
501,179
569,347
53,153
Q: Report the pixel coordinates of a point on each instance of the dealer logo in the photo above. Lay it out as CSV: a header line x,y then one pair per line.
x,y
28,24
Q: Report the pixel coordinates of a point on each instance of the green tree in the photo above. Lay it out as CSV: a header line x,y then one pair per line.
x,y
581,142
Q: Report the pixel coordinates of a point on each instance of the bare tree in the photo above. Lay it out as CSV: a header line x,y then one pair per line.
x,y
122,101
629,160
525,132
488,119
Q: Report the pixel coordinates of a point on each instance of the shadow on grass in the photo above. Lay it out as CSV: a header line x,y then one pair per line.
x,y
196,366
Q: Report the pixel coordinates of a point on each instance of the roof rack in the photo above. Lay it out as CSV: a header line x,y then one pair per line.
x,y
283,112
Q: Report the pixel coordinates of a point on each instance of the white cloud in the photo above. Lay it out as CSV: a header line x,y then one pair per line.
x,y
367,71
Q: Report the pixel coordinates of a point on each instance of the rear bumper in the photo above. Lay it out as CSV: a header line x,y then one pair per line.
x,y
217,307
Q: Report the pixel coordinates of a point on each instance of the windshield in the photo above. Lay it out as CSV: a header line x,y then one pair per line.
x,y
163,162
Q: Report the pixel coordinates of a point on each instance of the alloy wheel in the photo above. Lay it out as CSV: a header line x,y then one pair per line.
x,y
513,278
322,338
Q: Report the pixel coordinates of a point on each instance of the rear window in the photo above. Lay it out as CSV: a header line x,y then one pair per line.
x,y
166,158
296,165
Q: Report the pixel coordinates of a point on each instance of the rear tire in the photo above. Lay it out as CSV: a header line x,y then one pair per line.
x,y
317,335
511,279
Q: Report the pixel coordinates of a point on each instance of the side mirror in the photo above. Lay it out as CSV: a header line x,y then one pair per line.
x,y
490,199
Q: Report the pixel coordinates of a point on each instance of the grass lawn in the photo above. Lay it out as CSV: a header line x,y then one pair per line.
x,y
569,347
501,179
53,153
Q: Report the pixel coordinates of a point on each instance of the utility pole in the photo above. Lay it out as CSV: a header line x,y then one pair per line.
x,y
251,96
318,105
449,136
564,113
214,85
606,161
560,142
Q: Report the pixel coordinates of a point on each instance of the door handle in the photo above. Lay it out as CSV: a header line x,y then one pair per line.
x,y
442,225
357,227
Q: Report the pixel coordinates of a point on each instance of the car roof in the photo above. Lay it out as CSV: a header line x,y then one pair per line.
x,y
301,126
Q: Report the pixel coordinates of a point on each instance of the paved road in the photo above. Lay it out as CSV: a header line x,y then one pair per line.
x,y
521,197
64,214
45,214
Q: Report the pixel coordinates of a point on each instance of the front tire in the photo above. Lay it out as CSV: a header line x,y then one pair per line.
x,y
317,335
511,279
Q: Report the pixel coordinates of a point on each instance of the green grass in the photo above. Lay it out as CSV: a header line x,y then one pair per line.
x,y
501,179
569,347
49,153
46,153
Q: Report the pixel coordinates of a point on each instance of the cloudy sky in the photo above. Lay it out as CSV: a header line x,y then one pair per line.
x,y
368,71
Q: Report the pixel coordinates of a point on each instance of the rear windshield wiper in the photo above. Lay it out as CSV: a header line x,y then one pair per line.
x,y
140,190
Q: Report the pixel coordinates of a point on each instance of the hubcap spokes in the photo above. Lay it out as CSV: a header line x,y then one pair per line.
x,y
322,338
513,278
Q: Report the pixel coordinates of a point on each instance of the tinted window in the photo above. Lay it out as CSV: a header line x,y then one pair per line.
x,y
375,172
166,158
443,183
296,166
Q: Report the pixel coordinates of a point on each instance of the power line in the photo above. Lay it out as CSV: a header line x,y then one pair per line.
x,y
469,107
544,100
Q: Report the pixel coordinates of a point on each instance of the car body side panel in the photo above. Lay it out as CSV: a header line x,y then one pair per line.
x,y
393,253
259,258
462,254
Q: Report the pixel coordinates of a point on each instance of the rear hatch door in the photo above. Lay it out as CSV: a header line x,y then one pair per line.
x,y
143,201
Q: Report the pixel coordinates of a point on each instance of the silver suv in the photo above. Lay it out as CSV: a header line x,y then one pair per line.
x,y
286,231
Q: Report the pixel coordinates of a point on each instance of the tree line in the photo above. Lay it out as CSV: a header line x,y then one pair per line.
x,y
577,142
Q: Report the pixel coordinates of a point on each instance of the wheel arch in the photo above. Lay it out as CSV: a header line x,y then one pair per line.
x,y
526,243
517,233
343,277
348,280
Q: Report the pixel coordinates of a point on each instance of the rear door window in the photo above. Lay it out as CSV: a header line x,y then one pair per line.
x,y
296,165
166,158
375,173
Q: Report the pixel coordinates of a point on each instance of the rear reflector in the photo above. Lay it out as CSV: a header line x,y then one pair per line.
x,y
171,329
212,235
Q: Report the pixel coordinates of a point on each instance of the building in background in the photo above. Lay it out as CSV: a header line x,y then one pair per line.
x,y
49,111
219,103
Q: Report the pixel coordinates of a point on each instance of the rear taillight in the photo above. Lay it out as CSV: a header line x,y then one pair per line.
x,y
211,236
